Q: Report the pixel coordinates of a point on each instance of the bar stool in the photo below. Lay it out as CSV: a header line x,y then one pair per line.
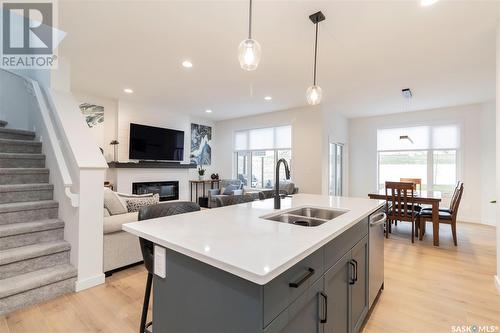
x,y
147,247
147,255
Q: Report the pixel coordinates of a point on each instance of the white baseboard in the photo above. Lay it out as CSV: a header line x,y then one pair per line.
x,y
82,284
497,282
469,220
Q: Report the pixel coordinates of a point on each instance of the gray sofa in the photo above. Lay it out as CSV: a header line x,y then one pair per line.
x,y
219,192
286,188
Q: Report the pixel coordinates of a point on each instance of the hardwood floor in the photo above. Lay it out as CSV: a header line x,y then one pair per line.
x,y
427,289
113,307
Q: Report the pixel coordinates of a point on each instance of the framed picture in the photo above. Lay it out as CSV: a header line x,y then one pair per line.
x,y
201,141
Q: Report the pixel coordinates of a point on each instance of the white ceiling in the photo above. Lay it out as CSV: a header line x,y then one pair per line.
x,y
368,52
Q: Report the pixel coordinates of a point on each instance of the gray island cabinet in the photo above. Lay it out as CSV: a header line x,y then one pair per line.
x,y
326,292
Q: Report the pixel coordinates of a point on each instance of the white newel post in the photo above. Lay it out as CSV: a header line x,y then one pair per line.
x,y
497,278
90,229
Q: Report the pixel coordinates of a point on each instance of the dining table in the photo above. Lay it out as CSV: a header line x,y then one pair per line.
x,y
432,198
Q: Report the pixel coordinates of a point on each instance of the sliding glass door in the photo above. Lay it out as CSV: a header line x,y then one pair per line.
x,y
336,169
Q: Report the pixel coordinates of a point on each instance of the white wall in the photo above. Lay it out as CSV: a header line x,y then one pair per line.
x,y
336,130
308,143
477,153
15,105
103,138
488,163
498,155
153,116
127,113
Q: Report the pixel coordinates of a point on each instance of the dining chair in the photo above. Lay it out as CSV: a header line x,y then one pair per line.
x,y
453,198
400,205
147,247
417,182
445,217
417,186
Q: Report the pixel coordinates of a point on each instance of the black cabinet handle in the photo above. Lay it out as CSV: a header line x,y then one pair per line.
x,y
355,270
325,308
310,272
352,273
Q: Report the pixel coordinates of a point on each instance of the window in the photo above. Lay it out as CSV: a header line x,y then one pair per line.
x,y
426,152
256,154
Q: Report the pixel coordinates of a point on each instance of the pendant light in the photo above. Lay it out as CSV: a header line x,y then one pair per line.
x,y
249,50
314,92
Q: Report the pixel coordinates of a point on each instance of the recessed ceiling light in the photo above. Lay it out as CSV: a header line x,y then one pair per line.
x,y
268,98
187,64
128,91
426,3
208,111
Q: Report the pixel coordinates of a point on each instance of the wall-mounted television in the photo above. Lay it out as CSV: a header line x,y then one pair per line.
x,y
155,143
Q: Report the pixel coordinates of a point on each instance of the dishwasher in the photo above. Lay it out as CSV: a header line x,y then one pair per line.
x,y
376,254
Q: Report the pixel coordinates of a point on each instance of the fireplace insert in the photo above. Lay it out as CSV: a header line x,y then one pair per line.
x,y
167,190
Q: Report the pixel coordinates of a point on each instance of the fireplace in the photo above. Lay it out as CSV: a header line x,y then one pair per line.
x,y
166,190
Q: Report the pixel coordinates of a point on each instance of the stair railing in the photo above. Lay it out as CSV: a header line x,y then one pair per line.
x,y
41,100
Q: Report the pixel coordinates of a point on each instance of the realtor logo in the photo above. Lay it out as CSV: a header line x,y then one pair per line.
x,y
29,38
27,28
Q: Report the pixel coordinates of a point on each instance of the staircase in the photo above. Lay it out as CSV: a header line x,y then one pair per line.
x,y
34,258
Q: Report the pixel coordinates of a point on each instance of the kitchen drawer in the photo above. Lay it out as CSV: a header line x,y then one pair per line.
x,y
302,316
336,249
278,293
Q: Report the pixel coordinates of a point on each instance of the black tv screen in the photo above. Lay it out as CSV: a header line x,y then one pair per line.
x,y
155,143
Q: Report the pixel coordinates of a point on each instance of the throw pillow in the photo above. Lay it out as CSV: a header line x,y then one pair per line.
x,y
135,204
113,203
230,189
106,212
124,197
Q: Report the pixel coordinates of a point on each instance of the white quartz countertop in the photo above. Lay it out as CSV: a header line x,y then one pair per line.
x,y
237,240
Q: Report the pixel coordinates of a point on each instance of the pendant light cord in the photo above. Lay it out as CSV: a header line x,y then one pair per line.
x,y
250,20
315,53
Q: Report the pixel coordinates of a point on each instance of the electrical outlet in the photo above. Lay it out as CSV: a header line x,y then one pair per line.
x,y
160,261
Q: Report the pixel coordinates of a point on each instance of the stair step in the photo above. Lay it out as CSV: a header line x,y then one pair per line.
x,y
20,146
25,259
35,287
28,211
10,160
16,134
23,175
3,123
32,251
28,233
25,192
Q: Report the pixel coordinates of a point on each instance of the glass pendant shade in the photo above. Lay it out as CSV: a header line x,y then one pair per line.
x,y
314,95
249,53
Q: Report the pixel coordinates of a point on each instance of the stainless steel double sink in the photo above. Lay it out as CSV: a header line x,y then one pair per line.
x,y
306,216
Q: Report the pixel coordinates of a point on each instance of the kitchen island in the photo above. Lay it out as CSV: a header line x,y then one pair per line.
x,y
233,270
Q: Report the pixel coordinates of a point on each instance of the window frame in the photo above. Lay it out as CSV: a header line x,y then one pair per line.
x,y
249,168
430,152
249,152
